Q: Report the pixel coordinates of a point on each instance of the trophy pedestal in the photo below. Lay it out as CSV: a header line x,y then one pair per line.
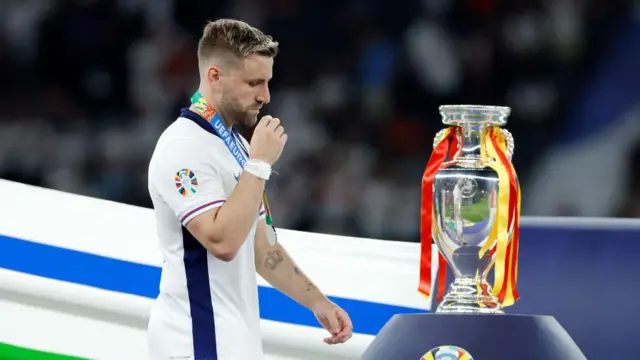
x,y
491,337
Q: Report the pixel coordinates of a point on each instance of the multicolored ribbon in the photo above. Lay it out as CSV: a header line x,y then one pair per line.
x,y
448,144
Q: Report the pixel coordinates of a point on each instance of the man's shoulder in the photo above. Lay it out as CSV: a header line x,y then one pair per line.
x,y
183,139
182,128
184,132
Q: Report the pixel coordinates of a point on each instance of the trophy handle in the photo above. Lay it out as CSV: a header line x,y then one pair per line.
x,y
510,144
438,136
505,132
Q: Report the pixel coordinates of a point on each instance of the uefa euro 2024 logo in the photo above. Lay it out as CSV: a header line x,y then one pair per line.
x,y
186,182
447,352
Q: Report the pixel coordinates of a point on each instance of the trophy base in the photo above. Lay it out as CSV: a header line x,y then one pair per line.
x,y
466,296
494,337
459,306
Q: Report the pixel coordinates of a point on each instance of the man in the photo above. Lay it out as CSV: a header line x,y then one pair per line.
x,y
207,187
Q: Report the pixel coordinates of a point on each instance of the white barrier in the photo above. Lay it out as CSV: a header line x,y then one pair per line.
x,y
100,315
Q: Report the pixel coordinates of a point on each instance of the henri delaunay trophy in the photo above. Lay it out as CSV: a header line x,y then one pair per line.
x,y
471,209
470,214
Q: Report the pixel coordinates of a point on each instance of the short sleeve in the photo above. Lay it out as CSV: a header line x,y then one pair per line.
x,y
185,176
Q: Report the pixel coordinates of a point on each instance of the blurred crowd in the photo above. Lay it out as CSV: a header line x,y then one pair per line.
x,y
86,87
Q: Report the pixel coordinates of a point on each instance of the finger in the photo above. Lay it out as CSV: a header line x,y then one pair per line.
x,y
265,120
334,339
346,329
284,138
334,323
344,335
338,339
273,124
331,340
345,319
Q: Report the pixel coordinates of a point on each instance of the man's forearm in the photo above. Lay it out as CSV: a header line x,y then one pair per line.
x,y
275,265
238,214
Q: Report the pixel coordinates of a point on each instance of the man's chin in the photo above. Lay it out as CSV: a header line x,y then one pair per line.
x,y
252,119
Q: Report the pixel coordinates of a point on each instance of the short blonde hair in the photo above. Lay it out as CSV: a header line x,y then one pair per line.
x,y
228,36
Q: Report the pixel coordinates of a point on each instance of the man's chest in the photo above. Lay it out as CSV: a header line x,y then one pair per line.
x,y
228,167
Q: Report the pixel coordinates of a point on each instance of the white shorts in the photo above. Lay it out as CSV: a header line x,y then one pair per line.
x,y
170,337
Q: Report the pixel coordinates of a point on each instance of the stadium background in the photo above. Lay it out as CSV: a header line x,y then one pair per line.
x,y
87,86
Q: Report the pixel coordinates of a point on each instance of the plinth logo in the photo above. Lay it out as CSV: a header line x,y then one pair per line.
x,y
447,352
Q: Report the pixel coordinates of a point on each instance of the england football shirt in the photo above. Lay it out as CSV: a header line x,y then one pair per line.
x,y
207,308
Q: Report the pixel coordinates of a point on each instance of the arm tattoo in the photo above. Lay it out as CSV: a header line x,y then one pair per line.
x,y
310,286
274,258
307,282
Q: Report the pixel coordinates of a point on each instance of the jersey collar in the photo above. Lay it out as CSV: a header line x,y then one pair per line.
x,y
199,120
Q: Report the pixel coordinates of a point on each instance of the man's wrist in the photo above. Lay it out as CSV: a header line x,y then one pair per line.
x,y
258,168
318,301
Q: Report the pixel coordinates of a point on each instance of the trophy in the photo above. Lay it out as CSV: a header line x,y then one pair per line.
x,y
470,210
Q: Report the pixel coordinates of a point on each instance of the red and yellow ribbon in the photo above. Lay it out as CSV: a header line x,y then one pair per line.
x,y
447,144
501,243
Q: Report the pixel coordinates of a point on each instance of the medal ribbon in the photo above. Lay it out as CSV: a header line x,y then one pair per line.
x,y
238,151
447,144
493,150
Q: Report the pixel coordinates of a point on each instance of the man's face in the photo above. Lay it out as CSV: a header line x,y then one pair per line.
x,y
246,89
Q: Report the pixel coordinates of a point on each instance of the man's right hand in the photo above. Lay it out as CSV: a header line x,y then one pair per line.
x,y
268,140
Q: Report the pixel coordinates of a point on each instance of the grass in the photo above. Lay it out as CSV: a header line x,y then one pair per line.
x,y
10,352
472,213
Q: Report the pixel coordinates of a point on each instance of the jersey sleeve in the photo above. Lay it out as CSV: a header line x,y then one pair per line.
x,y
186,176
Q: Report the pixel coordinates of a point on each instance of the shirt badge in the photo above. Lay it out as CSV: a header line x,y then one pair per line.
x,y
186,182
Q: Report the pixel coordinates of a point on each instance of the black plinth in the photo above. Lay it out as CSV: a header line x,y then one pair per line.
x,y
485,337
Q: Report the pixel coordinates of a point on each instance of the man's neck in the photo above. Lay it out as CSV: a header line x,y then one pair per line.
x,y
207,97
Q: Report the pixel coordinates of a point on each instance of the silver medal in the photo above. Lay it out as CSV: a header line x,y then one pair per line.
x,y
272,237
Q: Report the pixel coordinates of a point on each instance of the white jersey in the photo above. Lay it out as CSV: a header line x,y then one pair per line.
x,y
207,308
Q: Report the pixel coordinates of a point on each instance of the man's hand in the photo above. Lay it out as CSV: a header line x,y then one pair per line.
x,y
268,140
335,320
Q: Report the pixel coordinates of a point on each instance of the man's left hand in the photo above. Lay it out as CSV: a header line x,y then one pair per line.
x,y
335,320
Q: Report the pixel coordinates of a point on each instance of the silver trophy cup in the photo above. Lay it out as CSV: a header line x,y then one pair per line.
x,y
465,202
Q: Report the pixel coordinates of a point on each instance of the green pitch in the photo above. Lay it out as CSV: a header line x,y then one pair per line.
x,y
472,213
10,352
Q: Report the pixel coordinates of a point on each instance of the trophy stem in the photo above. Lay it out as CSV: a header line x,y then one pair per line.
x,y
470,295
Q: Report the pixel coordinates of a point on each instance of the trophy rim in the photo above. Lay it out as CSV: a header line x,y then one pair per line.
x,y
460,115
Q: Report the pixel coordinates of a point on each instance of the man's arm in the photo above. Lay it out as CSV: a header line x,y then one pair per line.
x,y
274,264
223,230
